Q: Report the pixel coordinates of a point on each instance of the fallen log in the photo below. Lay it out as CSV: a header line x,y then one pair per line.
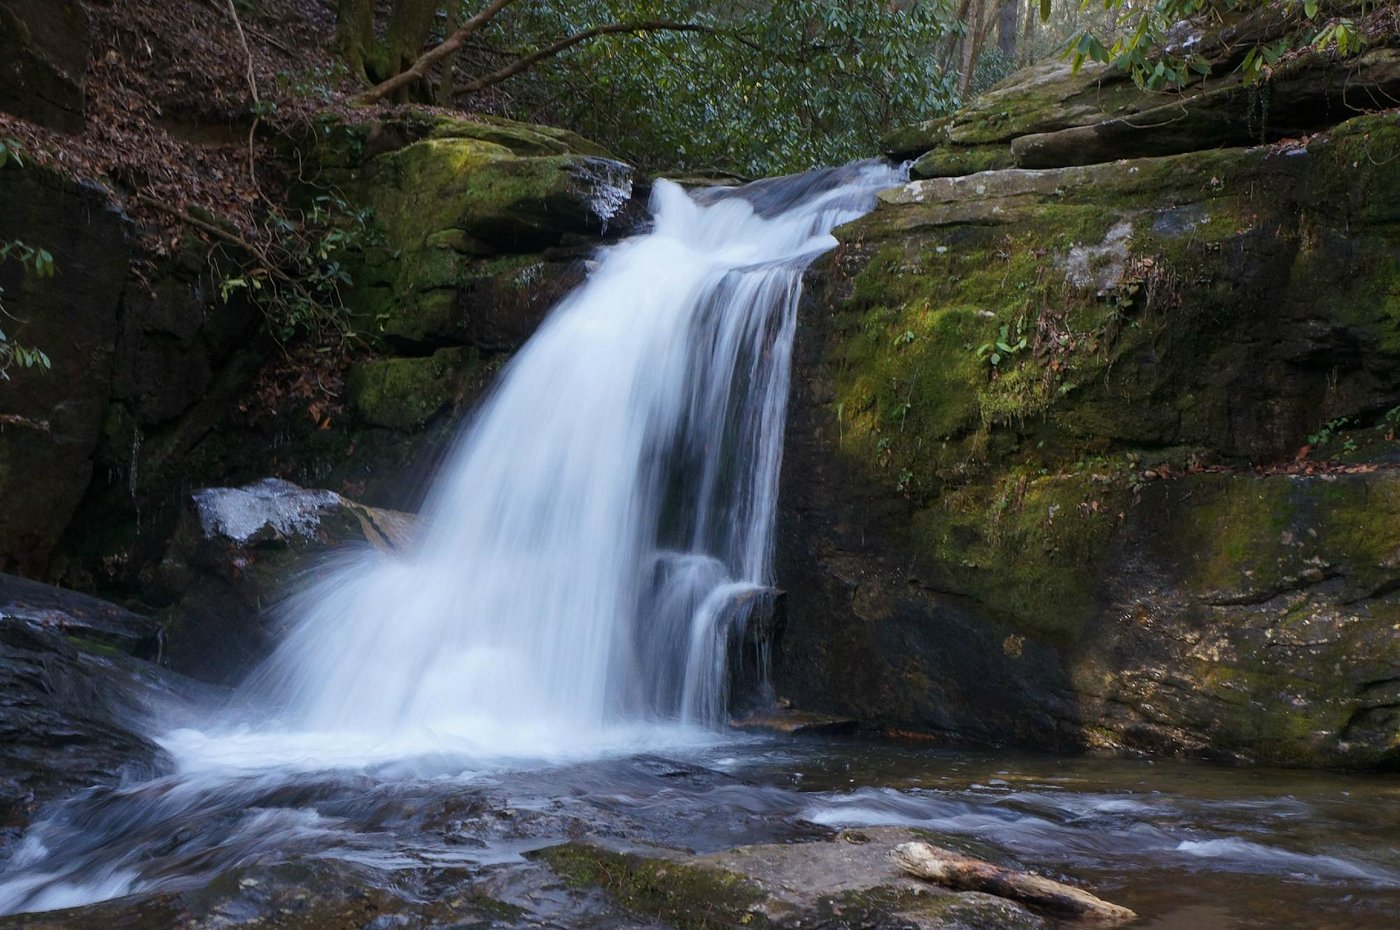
x,y
963,873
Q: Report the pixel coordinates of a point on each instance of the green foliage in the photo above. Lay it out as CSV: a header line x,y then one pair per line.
x,y
1142,47
1006,344
298,278
35,261
1329,431
766,88
992,65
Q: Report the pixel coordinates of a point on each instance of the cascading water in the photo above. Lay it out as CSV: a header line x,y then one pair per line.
x,y
605,521
609,503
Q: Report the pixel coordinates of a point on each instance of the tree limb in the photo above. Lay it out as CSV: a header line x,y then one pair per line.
x,y
431,57
962,873
534,58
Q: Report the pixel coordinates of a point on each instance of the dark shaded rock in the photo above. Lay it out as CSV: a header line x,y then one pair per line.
x,y
74,615
43,57
1036,550
175,336
405,393
46,450
755,626
71,705
238,551
493,306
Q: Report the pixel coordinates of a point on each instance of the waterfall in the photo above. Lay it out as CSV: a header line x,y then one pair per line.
x,y
601,530
613,495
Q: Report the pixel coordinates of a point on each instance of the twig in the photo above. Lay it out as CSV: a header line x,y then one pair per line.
x,y
431,57
550,51
253,87
261,254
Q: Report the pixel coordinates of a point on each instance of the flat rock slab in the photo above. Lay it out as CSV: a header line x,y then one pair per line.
x,y
849,880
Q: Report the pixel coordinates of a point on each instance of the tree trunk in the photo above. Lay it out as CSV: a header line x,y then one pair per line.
x,y
354,34
1006,30
1028,48
971,44
447,84
410,24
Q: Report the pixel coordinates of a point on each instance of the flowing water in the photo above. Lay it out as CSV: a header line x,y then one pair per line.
x,y
551,661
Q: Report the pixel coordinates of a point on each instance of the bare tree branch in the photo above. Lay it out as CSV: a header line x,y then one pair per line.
x,y
253,88
434,55
534,58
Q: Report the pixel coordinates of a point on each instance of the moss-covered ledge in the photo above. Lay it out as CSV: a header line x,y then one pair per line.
x,y
1101,457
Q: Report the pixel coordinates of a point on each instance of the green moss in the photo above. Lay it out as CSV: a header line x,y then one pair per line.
x,y
953,161
404,393
1027,547
690,897
1237,532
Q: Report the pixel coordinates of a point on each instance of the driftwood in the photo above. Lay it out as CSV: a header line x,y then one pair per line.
x,y
962,873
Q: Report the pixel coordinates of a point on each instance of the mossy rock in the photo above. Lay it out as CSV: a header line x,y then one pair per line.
x,y
1019,492
1049,115
686,895
405,393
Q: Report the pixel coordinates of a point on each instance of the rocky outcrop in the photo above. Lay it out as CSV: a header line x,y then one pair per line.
x,y
76,693
848,880
1100,456
485,219
1050,115
236,553
53,419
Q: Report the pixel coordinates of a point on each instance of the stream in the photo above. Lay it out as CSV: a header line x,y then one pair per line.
x,y
1189,846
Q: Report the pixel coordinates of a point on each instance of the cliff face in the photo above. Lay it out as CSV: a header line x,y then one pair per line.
x,y
1102,455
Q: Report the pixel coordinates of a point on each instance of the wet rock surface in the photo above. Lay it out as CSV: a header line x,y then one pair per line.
x,y
71,614
75,697
750,834
236,554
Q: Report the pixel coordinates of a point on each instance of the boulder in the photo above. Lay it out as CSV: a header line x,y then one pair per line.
x,y
237,551
71,614
1102,457
467,207
75,698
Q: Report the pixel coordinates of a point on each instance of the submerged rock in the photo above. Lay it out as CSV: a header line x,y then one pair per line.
x,y
238,551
